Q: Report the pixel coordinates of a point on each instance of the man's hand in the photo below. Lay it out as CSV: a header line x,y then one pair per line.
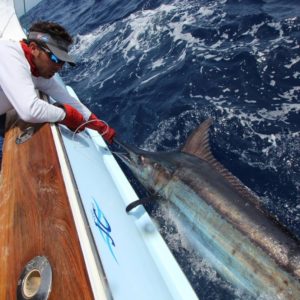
x,y
107,132
73,118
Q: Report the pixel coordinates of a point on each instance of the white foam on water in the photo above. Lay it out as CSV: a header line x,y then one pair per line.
x,y
144,29
177,32
254,29
84,42
293,62
296,75
206,11
149,79
158,64
292,94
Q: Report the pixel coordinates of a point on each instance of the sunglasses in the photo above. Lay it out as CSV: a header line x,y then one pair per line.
x,y
52,56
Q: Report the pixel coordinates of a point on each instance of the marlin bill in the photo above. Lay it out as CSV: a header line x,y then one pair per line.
x,y
244,243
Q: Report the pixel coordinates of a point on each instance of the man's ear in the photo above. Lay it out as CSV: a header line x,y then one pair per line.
x,y
35,50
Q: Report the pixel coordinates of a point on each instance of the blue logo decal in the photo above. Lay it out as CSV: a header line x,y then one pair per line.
x,y
104,228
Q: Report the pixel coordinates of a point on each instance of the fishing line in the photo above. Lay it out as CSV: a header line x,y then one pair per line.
x,y
90,121
90,136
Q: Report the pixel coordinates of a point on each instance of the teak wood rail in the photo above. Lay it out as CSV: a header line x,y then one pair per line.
x,y
35,216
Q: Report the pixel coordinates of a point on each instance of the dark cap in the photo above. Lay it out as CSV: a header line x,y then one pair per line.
x,y
57,46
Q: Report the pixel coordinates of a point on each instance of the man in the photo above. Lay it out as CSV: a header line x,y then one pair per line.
x,y
31,64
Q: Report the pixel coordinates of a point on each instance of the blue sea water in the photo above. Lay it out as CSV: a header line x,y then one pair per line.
x,y
155,69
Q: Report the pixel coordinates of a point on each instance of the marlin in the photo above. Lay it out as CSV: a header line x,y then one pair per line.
x,y
244,243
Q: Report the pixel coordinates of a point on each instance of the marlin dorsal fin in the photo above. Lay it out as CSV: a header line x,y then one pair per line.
x,y
198,144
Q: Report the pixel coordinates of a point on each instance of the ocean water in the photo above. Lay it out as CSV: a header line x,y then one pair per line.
x,y
156,69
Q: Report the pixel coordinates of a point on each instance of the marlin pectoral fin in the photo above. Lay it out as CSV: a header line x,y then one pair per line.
x,y
138,202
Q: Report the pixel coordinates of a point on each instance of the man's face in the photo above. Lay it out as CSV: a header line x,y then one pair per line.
x,y
45,66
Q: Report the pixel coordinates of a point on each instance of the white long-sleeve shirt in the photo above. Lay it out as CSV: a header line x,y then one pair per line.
x,y
17,89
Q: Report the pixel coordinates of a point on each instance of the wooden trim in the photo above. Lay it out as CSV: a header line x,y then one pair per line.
x,y
35,216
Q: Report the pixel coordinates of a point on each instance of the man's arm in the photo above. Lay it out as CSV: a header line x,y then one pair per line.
x,y
59,93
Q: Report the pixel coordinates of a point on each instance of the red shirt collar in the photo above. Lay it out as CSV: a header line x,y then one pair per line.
x,y
29,57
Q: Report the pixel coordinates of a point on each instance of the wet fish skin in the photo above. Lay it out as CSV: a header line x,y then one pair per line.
x,y
243,242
